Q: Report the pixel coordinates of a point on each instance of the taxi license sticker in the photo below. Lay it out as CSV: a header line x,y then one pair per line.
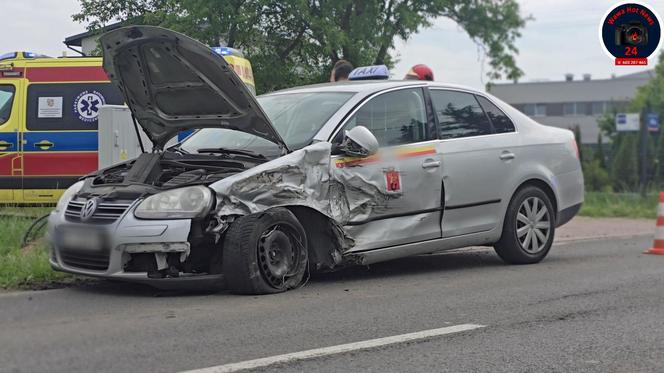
x,y
393,180
87,104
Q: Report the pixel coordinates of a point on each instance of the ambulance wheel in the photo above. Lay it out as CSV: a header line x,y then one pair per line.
x,y
265,253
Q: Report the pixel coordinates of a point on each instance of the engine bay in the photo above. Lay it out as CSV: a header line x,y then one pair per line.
x,y
167,170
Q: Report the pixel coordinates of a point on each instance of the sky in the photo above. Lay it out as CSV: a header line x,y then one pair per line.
x,y
562,38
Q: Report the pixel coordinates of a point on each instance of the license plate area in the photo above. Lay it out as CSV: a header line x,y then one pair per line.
x,y
84,239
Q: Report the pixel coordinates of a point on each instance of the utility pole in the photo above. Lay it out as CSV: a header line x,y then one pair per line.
x,y
644,150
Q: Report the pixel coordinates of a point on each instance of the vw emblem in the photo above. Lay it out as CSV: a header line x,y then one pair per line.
x,y
88,209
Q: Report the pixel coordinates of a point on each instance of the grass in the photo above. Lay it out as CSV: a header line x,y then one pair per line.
x,y
622,205
24,267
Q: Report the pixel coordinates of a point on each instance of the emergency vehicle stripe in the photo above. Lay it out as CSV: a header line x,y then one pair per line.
x,y
405,153
61,140
59,163
66,74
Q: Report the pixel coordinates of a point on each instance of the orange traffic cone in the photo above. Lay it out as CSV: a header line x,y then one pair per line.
x,y
658,245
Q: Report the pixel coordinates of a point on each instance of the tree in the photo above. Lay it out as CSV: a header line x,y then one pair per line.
x,y
297,42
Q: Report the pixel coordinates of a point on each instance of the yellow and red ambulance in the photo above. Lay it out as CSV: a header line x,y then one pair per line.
x,y
48,121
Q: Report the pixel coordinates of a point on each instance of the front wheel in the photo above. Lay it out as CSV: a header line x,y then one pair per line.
x,y
528,228
265,253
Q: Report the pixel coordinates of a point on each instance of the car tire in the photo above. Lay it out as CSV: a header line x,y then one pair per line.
x,y
265,253
528,229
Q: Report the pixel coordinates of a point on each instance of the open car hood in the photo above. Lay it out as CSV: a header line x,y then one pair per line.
x,y
172,83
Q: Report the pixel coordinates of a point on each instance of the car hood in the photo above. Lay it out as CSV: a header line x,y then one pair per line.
x,y
172,83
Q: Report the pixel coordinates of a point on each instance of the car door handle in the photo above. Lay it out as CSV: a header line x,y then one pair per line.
x,y
4,145
430,164
44,145
506,156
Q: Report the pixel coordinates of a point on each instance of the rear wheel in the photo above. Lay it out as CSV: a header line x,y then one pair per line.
x,y
265,253
528,228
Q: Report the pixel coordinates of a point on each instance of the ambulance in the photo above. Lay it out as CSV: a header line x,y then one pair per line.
x,y
48,120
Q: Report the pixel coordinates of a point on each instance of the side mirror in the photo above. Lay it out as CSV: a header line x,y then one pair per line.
x,y
359,142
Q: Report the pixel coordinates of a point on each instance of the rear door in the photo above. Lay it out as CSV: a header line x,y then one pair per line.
x,y
59,140
477,161
10,117
397,193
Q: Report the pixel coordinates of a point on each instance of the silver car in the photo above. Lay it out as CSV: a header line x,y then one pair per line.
x,y
311,178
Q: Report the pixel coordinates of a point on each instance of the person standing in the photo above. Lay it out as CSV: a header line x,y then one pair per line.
x,y
340,71
419,72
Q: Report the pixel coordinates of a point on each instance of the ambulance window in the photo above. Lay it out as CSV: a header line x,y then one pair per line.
x,y
395,118
6,100
68,106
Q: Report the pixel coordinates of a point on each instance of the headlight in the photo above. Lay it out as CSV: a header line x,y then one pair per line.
x,y
182,203
67,195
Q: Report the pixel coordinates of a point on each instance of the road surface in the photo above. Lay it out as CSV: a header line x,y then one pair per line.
x,y
590,306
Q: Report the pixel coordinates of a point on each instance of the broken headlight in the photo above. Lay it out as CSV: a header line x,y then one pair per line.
x,y
182,203
68,195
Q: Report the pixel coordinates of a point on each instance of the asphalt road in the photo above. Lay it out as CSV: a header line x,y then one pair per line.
x,y
590,306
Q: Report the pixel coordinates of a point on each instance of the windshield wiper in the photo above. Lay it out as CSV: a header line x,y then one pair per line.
x,y
225,151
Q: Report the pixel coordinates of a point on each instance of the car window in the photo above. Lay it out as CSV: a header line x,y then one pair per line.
x,y
459,114
501,123
68,106
296,116
395,118
6,100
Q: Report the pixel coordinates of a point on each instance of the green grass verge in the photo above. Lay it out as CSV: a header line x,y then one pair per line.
x,y
24,267
619,205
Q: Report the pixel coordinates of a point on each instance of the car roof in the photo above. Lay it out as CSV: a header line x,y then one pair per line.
x,y
367,86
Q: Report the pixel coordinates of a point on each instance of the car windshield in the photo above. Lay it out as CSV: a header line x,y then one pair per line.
x,y
296,116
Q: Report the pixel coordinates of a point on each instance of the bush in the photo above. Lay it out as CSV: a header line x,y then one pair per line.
x,y
596,178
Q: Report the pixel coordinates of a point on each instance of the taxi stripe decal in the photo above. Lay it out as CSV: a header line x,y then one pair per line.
x,y
66,74
401,154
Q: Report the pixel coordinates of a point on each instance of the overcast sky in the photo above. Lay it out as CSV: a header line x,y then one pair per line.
x,y
563,38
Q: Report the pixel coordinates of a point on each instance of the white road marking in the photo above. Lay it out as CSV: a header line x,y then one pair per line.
x,y
338,349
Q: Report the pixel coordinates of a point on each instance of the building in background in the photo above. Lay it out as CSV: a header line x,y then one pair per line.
x,y
86,42
570,103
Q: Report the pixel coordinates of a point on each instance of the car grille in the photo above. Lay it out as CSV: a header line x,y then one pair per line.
x,y
94,260
106,213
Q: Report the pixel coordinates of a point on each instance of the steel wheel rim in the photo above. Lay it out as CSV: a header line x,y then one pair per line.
x,y
279,255
533,225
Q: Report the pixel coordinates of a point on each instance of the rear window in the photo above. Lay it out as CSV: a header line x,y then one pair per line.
x,y
501,123
67,106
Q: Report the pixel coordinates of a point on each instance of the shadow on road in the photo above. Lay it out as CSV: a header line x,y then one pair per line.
x,y
422,264
417,265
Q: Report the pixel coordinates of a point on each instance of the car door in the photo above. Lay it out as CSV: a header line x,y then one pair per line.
x,y
10,159
477,161
396,194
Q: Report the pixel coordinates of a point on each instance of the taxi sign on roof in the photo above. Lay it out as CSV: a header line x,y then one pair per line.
x,y
369,73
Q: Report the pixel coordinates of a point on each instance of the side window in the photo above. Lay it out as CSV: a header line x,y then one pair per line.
x,y
6,101
395,118
68,106
459,114
501,123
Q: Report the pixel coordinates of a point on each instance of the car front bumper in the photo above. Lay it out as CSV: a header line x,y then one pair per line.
x,y
124,236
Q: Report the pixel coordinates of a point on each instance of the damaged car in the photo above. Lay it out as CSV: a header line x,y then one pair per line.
x,y
312,178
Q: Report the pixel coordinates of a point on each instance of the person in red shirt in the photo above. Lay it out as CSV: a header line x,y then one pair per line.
x,y
419,72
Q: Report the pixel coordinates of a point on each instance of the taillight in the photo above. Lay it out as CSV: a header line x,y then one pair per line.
x,y
575,146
